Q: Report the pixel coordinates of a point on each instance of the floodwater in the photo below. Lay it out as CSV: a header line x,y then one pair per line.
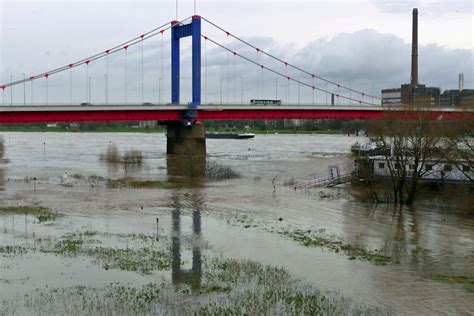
x,y
238,218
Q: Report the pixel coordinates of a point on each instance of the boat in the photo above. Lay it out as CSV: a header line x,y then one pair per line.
x,y
369,149
431,170
217,135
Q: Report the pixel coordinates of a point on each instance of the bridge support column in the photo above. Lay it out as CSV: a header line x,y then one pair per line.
x,y
186,140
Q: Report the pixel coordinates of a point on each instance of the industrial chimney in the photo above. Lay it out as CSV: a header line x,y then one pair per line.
x,y
461,82
414,49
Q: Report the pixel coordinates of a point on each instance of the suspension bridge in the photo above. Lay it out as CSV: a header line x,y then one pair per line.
x,y
126,96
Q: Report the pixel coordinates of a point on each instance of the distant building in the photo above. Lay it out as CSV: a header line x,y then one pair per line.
x,y
457,98
408,94
390,96
421,95
417,93
147,124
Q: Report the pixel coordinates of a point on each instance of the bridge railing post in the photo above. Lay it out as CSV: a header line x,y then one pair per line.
x,y
175,56
177,32
196,56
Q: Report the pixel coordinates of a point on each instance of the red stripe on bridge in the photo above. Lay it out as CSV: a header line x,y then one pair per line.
x,y
14,117
55,116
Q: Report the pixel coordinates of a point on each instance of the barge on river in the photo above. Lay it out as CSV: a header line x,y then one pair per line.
x,y
439,171
230,135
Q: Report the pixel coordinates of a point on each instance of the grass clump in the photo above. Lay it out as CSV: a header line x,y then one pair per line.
x,y
13,250
217,171
354,252
113,156
43,214
68,246
142,260
133,157
47,217
455,279
138,184
23,210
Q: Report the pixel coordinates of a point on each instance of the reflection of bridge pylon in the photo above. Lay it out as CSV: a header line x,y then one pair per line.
x,y
2,180
178,275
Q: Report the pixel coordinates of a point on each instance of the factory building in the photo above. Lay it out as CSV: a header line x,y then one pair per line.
x,y
417,93
457,98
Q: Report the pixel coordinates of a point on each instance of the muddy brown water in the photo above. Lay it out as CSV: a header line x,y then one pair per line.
x,y
237,217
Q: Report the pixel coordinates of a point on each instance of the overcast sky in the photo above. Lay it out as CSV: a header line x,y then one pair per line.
x,y
364,44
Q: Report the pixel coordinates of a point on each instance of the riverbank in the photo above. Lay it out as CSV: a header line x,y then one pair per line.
x,y
159,129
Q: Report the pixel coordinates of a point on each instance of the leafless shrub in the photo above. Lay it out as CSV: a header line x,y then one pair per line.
x,y
415,139
2,147
217,171
112,156
133,157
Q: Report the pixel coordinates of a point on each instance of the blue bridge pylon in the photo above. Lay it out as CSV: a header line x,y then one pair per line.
x,y
178,31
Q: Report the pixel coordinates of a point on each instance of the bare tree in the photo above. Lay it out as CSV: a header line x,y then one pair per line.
x,y
2,148
415,139
460,139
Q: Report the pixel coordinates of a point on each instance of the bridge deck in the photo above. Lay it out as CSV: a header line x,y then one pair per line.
x,y
62,113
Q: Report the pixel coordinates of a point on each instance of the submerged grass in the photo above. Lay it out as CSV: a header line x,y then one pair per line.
x,y
2,148
43,214
229,287
217,171
13,250
354,252
455,279
142,260
215,286
112,155
139,184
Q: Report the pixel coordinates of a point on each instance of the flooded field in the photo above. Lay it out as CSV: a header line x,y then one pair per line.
x,y
82,236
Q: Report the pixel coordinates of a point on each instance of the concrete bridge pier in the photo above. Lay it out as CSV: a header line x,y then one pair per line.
x,y
186,150
186,140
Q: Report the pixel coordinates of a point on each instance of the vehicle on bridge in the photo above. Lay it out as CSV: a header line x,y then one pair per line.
x,y
265,102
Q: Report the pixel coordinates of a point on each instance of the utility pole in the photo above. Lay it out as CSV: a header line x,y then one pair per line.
x,y
221,89
276,89
298,92
372,93
11,89
242,90
326,93
24,90
159,90
105,89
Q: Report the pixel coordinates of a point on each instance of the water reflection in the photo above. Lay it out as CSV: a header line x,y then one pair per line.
x,y
130,162
2,179
179,275
186,166
429,242
19,225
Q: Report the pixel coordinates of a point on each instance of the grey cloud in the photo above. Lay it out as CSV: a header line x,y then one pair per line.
x,y
364,59
432,8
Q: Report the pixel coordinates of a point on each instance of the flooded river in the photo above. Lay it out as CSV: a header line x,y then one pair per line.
x,y
246,218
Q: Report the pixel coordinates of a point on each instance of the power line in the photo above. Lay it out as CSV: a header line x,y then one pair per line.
x,y
281,74
103,54
286,63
